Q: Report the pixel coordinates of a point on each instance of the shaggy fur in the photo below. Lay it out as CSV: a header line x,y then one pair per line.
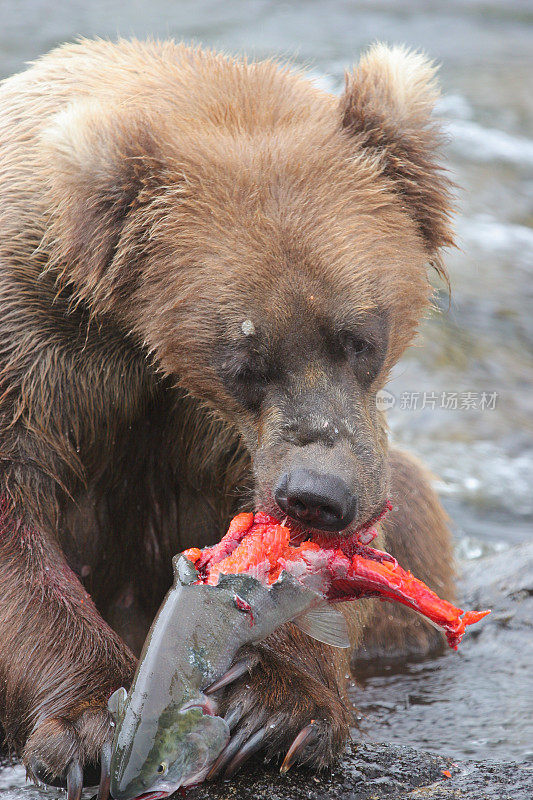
x,y
152,198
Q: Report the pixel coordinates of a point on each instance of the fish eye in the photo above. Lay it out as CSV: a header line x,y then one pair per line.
x,y
162,768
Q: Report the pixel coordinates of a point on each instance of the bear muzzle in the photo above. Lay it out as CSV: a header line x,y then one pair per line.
x,y
316,499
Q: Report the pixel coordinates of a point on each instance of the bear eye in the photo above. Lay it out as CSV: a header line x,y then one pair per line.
x,y
354,344
363,356
249,386
245,376
250,372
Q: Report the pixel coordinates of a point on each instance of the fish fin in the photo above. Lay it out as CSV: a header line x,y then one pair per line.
x,y
115,704
325,624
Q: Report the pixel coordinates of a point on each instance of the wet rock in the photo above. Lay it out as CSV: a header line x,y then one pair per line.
x,y
376,771
366,772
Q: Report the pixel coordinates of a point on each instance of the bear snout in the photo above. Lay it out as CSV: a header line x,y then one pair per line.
x,y
316,499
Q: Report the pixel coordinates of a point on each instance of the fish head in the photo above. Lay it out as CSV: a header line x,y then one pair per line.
x,y
178,752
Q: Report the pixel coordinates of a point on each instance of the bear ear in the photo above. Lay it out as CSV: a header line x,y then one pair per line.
x,y
386,107
100,162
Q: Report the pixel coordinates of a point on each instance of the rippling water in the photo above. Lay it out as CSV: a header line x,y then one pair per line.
x,y
482,345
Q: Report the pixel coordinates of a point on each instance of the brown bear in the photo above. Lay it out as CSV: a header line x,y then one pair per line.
x,y
208,267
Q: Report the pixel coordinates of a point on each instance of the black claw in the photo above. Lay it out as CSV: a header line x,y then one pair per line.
x,y
34,774
305,737
74,781
253,744
226,755
233,673
31,771
105,772
233,716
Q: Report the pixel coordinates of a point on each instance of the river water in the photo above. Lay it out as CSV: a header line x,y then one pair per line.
x,y
463,398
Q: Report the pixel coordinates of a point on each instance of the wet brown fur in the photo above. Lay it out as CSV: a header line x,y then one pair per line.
x,y
150,193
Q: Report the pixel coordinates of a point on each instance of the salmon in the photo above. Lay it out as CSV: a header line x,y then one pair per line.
x,y
260,545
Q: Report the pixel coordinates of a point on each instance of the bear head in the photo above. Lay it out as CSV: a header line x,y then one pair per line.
x,y
267,244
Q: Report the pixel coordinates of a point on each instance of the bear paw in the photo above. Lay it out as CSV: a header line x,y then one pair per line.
x,y
72,752
281,712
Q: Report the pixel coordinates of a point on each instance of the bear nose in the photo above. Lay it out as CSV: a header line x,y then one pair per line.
x,y
319,500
